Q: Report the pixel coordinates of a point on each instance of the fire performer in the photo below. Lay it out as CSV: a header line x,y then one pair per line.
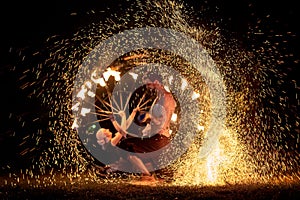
x,y
156,134
108,143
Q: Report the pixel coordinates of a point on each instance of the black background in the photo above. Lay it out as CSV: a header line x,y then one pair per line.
x,y
27,24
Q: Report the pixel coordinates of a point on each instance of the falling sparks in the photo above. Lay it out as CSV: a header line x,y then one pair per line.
x,y
259,143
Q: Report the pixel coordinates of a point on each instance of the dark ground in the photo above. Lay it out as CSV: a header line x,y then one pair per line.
x,y
27,24
83,189
127,191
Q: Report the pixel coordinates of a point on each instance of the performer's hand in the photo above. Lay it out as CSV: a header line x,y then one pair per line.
x,y
121,113
136,109
158,85
123,133
155,85
112,117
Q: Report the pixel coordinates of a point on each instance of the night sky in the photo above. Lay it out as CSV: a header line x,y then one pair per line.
x,y
25,25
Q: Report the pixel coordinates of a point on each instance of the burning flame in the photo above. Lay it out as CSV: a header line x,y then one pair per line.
x,y
174,117
113,73
75,124
195,95
84,111
134,76
184,84
81,93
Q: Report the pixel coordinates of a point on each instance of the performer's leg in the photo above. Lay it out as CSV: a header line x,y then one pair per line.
x,y
138,163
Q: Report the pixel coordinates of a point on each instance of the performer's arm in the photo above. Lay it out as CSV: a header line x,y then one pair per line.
x,y
115,140
131,118
126,123
123,120
117,126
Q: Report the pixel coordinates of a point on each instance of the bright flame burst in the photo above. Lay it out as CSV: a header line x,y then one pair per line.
x,y
259,143
226,164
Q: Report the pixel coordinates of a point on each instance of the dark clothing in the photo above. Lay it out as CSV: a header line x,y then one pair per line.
x,y
144,145
110,154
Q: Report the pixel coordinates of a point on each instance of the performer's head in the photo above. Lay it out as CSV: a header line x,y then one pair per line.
x,y
152,77
103,136
158,114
